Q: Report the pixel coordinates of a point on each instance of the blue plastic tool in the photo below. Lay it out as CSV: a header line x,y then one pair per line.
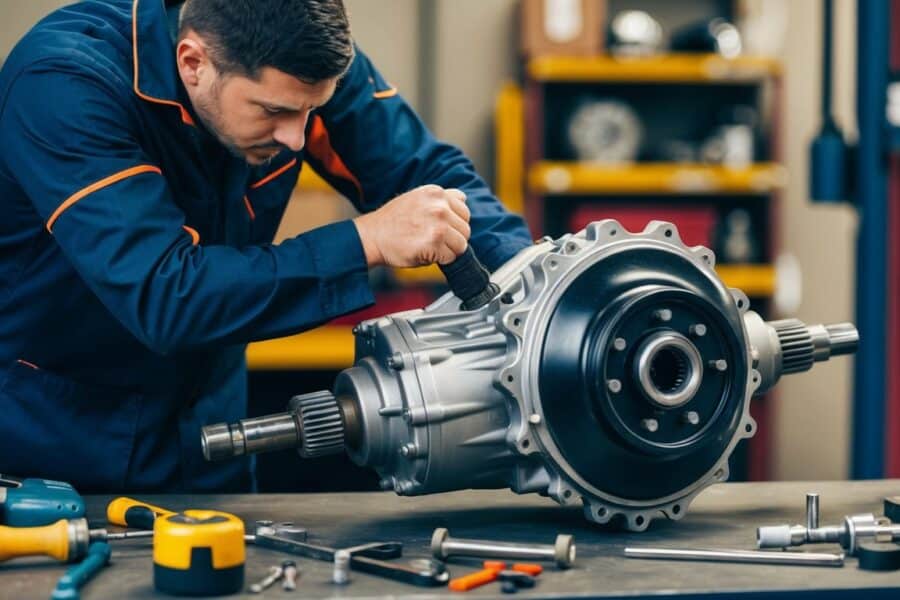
x,y
37,502
68,586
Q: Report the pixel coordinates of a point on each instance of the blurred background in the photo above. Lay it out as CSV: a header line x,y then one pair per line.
x,y
699,112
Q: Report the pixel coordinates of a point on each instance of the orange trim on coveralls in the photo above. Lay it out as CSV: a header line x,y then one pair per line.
x,y
249,208
185,115
99,186
195,237
273,175
318,144
385,94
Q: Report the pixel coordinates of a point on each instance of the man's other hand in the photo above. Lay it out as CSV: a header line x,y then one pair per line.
x,y
427,225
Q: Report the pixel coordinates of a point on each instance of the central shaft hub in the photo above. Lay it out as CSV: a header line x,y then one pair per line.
x,y
668,369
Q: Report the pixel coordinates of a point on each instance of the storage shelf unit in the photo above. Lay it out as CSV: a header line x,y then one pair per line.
x,y
561,177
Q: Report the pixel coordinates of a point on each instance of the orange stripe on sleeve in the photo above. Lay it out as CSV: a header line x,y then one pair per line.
x,y
385,93
112,179
273,175
195,237
318,144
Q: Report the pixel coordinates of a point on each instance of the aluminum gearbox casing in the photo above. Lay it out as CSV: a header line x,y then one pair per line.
x,y
614,369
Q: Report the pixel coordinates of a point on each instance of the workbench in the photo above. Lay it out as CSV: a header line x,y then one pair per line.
x,y
723,516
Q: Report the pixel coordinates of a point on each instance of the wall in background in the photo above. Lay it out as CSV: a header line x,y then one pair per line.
x,y
474,53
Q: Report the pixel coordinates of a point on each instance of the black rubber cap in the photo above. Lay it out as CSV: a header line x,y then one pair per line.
x,y
892,508
882,556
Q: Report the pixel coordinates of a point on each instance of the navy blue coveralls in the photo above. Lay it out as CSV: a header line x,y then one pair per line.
x,y
135,252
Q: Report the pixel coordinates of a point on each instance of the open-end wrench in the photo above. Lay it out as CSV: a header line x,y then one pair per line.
x,y
365,558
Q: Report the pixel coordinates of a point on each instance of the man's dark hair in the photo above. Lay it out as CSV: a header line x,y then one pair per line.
x,y
308,39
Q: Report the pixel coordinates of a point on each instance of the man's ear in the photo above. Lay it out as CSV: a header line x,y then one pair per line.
x,y
193,59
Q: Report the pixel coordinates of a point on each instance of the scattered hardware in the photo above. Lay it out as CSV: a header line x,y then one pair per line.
x,y
341,574
198,553
275,573
76,577
477,579
291,573
66,541
740,556
854,531
537,378
366,558
36,502
562,552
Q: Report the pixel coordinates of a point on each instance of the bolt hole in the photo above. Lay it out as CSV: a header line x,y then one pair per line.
x,y
516,322
553,264
612,231
740,304
639,520
676,509
525,443
567,494
571,247
748,428
510,378
719,474
706,258
668,233
601,512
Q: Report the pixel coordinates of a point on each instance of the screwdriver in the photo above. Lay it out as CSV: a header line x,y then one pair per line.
x,y
65,540
129,512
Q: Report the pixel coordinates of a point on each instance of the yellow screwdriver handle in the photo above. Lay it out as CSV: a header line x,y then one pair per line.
x,y
49,540
117,512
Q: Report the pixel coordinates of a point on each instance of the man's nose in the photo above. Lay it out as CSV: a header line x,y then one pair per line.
x,y
291,132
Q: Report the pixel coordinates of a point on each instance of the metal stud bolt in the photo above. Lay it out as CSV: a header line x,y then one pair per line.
x,y
697,330
651,425
691,418
620,344
534,419
719,365
663,315
614,386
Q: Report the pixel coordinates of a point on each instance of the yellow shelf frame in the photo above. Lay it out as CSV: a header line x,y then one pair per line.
x,y
668,68
572,177
754,280
327,347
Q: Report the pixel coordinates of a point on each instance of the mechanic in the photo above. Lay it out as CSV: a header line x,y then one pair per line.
x,y
147,157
